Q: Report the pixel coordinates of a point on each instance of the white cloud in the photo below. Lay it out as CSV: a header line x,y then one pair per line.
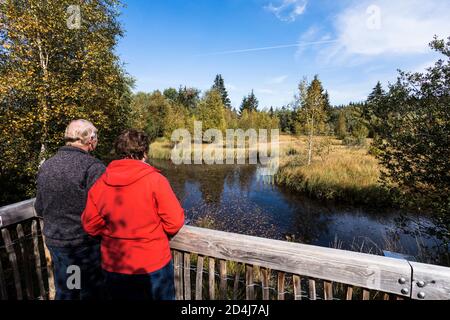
x,y
277,80
310,36
288,10
390,27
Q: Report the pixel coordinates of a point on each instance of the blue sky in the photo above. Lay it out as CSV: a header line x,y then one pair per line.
x,y
270,45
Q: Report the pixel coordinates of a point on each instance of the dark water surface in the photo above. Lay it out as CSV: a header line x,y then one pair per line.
x,y
235,198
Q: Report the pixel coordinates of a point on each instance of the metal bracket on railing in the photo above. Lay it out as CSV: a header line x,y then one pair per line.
x,y
406,289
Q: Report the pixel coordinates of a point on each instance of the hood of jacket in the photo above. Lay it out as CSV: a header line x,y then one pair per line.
x,y
121,173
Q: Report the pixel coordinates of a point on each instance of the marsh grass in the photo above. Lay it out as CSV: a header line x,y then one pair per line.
x,y
162,149
338,172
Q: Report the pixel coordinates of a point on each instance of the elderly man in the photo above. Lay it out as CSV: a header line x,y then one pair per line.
x,y
62,186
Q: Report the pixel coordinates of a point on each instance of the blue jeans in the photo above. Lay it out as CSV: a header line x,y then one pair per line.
x,y
90,285
158,285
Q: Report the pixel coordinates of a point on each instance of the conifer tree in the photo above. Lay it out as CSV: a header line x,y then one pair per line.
x,y
219,85
249,103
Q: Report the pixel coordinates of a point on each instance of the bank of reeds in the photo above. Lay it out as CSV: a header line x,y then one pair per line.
x,y
337,173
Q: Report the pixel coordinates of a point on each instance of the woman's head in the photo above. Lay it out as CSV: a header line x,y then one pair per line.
x,y
132,144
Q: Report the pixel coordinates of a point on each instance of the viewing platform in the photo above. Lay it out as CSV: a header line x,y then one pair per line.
x,y
215,265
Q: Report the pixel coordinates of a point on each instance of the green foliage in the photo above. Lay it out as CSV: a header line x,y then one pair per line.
x,y
286,118
171,94
341,127
149,113
188,98
50,75
413,132
219,85
211,111
370,112
249,103
257,120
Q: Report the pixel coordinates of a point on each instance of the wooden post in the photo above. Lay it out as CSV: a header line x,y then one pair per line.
x,y
328,290
178,265
236,283
349,294
212,279
24,253
265,284
250,290
366,294
37,259
223,280
199,279
312,289
281,278
187,276
3,292
13,260
297,287
48,258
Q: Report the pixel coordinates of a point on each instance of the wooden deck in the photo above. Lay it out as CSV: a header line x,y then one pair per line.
x,y
212,264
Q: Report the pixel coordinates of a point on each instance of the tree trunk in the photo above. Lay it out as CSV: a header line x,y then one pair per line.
x,y
43,57
310,141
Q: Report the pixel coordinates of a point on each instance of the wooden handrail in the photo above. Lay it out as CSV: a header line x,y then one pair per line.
x,y
16,213
358,269
395,276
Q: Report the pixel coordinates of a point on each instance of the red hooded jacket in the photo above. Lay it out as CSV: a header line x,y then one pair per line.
x,y
133,208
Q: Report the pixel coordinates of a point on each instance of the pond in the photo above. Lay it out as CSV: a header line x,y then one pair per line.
x,y
237,198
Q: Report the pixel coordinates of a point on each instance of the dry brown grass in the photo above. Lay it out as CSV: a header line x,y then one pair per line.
x,y
337,172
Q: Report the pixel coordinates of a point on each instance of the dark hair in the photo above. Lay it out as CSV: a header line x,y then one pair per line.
x,y
132,144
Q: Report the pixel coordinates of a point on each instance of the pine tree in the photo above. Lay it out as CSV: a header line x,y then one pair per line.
x,y
219,85
188,98
341,127
372,110
327,105
249,103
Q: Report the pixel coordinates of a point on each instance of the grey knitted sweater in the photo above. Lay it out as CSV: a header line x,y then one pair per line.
x,y
63,183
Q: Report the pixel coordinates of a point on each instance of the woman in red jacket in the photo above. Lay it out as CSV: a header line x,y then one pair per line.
x,y
133,209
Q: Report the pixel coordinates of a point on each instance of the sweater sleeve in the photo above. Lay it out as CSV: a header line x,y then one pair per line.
x,y
169,208
91,219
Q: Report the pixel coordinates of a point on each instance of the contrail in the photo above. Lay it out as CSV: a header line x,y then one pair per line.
x,y
300,44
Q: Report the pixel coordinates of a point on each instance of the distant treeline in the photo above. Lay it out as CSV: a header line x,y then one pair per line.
x,y
160,113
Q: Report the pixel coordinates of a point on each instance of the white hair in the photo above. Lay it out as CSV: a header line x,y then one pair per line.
x,y
81,131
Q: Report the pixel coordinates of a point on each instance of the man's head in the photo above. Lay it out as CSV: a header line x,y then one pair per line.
x,y
81,134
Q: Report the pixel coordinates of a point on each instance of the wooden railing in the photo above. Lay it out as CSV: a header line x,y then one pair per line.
x,y
212,264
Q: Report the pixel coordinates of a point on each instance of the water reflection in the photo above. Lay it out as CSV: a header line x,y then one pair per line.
x,y
238,198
